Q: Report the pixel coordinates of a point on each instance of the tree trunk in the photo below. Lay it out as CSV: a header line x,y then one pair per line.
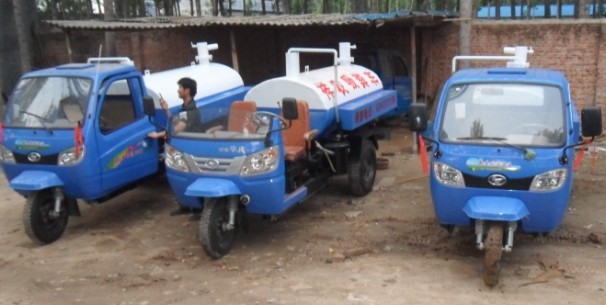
x,y
305,6
23,23
99,7
497,9
110,37
547,8
513,9
198,8
466,14
142,9
287,6
263,11
221,8
359,6
325,7
277,7
583,8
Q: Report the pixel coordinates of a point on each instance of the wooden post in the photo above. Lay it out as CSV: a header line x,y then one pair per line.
x,y
413,74
68,45
234,50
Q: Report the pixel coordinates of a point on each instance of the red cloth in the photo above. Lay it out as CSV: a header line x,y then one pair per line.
x,y
424,164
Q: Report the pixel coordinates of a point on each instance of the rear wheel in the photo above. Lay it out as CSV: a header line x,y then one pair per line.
x,y
492,254
40,225
215,236
362,169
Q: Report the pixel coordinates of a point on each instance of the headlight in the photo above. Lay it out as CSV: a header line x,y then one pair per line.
x,y
549,181
261,162
69,157
175,159
448,175
6,155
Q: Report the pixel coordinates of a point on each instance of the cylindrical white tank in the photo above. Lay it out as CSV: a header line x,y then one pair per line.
x,y
317,88
211,78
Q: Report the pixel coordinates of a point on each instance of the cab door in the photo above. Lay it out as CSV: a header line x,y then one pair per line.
x,y
126,154
402,82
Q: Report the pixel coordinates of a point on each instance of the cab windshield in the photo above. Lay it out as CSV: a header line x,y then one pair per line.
x,y
516,114
237,124
36,101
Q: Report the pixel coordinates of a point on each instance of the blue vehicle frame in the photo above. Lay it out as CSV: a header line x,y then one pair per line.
x,y
501,178
79,131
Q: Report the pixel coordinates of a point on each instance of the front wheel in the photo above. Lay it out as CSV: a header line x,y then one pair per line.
x,y
492,254
362,169
40,224
214,234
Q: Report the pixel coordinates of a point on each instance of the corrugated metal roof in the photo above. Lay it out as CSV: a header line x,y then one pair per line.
x,y
167,22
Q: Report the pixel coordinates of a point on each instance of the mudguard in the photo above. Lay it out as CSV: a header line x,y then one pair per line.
x,y
495,208
212,187
35,181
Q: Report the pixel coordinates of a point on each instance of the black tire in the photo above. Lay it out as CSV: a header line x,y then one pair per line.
x,y
492,254
362,169
215,240
39,225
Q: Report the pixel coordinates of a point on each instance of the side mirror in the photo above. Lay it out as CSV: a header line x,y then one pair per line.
x,y
417,117
591,121
148,106
289,108
71,109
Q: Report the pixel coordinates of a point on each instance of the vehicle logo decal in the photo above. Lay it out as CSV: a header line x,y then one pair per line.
x,y
31,144
233,149
497,180
127,153
475,164
212,164
34,157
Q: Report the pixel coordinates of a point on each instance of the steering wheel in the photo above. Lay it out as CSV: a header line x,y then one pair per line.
x,y
530,128
263,118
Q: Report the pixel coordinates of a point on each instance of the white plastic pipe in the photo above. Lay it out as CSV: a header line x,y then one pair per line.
x,y
335,63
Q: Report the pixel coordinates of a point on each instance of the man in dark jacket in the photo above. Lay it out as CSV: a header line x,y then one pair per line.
x,y
187,120
189,116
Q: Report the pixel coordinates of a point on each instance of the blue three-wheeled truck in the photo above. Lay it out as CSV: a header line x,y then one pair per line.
x,y
503,141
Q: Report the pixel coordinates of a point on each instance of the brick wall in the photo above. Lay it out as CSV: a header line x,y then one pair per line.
x,y
578,48
575,47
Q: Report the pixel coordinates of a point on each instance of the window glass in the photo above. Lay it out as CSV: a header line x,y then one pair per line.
x,y
519,114
117,108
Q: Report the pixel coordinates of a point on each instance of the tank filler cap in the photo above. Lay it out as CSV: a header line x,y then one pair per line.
x,y
204,57
345,53
520,56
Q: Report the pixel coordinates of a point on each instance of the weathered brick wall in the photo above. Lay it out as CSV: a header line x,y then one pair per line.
x,y
575,47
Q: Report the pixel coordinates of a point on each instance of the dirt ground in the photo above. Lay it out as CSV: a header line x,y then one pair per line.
x,y
385,248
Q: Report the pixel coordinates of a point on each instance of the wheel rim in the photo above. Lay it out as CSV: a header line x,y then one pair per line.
x,y
367,169
224,236
49,223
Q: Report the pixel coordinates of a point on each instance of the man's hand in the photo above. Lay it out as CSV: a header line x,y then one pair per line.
x,y
163,104
156,135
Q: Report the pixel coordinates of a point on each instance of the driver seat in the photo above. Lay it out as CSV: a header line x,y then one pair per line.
x,y
240,117
297,138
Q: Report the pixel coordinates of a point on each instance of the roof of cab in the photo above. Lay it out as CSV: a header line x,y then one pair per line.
x,y
533,75
83,70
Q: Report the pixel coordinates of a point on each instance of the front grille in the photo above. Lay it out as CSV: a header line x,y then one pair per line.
x,y
519,184
44,160
217,165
